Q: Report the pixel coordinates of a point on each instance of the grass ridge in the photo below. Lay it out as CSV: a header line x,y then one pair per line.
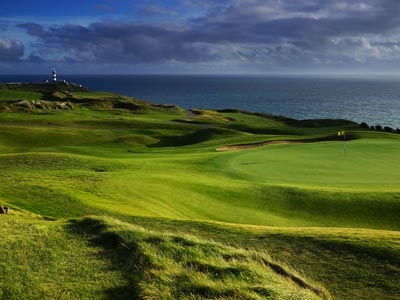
x,y
180,266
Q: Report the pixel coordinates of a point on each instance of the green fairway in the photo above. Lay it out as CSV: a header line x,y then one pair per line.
x,y
9,95
332,212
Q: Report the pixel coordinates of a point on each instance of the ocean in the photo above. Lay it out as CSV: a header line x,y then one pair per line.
x,y
371,100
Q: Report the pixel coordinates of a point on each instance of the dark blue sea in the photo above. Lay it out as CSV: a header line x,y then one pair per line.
x,y
371,100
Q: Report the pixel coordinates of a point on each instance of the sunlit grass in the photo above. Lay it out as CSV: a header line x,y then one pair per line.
x,y
158,171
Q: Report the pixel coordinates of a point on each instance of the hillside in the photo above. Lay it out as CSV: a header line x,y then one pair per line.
x,y
155,202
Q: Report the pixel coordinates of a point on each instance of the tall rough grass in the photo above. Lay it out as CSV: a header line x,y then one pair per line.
x,y
179,266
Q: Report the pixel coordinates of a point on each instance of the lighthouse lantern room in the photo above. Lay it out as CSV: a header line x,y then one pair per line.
x,y
54,75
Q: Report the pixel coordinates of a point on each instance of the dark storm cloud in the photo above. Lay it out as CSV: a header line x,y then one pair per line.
x,y
119,42
272,21
251,31
34,29
34,59
11,50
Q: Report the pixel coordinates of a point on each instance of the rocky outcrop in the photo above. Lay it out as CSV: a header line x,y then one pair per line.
x,y
5,108
3,209
41,105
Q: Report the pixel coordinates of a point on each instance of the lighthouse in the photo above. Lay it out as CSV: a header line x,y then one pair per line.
x,y
54,75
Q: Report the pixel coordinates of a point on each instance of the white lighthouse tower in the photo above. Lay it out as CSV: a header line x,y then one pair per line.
x,y
54,75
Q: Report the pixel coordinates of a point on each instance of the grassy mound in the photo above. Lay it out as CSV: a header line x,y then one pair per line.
x,y
350,263
102,257
176,266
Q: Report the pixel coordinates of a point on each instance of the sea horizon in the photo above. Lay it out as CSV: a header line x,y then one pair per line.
x,y
374,99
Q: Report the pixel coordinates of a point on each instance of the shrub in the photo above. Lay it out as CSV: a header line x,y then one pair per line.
x,y
388,129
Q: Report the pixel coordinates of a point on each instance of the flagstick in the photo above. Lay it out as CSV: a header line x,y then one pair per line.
x,y
344,146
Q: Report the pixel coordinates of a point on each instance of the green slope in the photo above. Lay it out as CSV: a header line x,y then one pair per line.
x,y
128,159
42,260
103,258
350,263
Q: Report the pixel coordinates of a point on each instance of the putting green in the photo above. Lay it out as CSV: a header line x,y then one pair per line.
x,y
324,165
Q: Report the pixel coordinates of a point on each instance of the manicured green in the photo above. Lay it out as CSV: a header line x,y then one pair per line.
x,y
325,165
332,207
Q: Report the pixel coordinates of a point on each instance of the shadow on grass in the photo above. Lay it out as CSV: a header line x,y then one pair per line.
x,y
122,257
196,137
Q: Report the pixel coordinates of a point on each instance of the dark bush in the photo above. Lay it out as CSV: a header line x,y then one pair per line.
x,y
378,127
364,125
388,129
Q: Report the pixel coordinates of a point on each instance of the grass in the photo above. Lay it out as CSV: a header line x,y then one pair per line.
x,y
155,177
11,95
41,260
324,165
109,259
177,266
94,95
350,263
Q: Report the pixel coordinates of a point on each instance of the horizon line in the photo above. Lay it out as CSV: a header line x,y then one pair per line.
x,y
327,74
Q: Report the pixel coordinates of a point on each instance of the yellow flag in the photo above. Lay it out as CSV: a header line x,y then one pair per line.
x,y
341,132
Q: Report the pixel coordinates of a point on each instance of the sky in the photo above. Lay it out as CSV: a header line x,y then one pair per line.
x,y
200,36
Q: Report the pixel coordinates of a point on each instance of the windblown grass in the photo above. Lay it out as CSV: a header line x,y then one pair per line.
x,y
350,263
179,266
